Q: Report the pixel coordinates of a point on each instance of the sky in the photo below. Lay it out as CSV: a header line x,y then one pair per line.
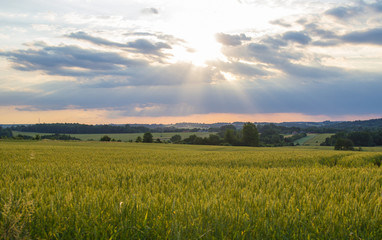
x,y
168,61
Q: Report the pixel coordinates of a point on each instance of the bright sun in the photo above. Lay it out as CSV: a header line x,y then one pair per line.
x,y
198,50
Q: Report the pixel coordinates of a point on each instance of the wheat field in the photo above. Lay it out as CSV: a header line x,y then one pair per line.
x,y
94,190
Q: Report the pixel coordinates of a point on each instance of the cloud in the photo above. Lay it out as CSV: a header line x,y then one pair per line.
x,y
370,36
311,72
277,70
99,69
95,40
314,29
170,39
346,96
231,40
344,12
299,37
150,11
141,46
293,64
281,22
326,43
356,9
377,6
146,47
69,61
248,71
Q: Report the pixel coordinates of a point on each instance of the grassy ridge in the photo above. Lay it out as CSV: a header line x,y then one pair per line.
x,y
82,190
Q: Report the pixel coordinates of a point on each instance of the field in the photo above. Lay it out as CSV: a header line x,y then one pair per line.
x,y
313,139
97,190
124,137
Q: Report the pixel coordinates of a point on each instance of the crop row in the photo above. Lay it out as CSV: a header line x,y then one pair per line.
x,y
56,190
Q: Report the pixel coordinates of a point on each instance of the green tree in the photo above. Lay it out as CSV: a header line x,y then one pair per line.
x,y
230,136
344,144
213,139
147,137
105,139
250,135
176,138
139,139
5,132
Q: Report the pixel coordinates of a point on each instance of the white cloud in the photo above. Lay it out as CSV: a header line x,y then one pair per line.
x,y
254,56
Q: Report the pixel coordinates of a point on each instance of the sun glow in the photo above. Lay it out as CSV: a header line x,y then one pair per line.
x,y
198,50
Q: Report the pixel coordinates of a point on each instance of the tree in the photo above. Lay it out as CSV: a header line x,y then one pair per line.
x,y
176,138
147,137
139,139
250,135
229,136
344,144
5,132
105,139
223,130
213,139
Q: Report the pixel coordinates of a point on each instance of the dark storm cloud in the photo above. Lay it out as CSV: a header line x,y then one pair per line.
x,y
231,40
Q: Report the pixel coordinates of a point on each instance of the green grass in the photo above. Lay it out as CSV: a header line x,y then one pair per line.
x,y
125,137
96,190
302,141
317,139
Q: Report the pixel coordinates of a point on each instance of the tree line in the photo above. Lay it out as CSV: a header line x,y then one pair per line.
x,y
347,140
76,128
5,133
249,135
228,135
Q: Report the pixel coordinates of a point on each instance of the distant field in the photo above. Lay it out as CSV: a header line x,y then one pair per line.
x,y
123,136
313,139
301,141
99,190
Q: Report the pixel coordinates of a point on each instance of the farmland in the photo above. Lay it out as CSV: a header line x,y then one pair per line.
x,y
313,139
125,137
95,190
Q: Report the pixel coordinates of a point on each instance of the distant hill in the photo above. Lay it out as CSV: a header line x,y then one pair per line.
x,y
66,128
358,125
